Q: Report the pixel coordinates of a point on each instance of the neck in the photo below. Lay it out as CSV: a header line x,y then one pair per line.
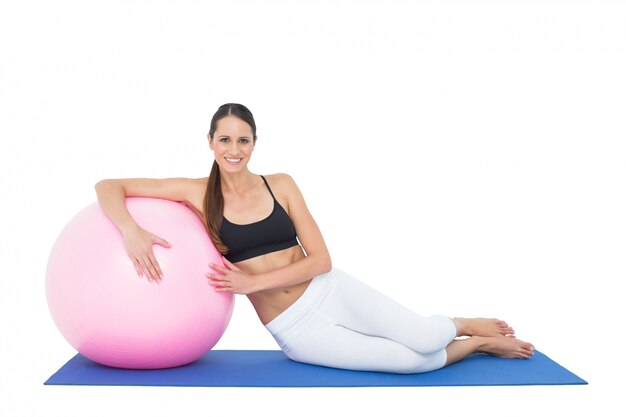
x,y
238,182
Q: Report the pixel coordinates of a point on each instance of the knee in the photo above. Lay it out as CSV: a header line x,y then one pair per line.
x,y
437,332
430,345
421,362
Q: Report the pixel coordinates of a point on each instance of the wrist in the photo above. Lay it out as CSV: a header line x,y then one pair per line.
x,y
259,283
129,227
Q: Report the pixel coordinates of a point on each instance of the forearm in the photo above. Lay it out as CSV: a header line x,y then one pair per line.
x,y
295,273
112,200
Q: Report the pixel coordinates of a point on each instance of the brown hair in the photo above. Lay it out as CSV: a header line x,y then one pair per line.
x,y
213,198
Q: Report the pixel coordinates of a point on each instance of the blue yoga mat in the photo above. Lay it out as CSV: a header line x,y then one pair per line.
x,y
272,368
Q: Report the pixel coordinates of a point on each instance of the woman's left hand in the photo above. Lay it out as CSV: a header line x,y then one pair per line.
x,y
230,279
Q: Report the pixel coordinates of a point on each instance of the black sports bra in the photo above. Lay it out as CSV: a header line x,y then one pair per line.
x,y
273,233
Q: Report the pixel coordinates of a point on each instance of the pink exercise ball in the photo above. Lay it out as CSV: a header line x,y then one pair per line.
x,y
114,317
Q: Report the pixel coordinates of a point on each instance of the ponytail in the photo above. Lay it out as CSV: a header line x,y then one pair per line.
x,y
213,197
214,208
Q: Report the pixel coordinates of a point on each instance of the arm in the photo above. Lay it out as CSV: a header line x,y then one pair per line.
x,y
138,242
113,192
111,197
316,262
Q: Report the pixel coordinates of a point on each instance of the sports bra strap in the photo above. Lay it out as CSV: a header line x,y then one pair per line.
x,y
268,187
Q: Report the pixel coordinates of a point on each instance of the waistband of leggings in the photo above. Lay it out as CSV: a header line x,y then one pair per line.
x,y
319,286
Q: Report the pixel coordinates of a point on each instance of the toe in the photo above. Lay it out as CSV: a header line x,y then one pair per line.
x,y
523,353
527,349
508,330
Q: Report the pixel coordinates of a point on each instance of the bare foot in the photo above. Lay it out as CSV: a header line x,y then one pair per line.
x,y
481,327
506,347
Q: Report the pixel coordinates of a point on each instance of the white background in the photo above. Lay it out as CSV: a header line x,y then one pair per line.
x,y
466,158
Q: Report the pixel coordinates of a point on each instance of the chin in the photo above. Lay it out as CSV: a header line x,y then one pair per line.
x,y
232,168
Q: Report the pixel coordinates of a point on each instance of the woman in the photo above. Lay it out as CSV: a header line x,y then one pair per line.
x,y
275,254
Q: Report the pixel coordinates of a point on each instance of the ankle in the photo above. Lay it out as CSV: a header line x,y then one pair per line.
x,y
480,343
461,326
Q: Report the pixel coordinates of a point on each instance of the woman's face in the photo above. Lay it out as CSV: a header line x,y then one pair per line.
x,y
232,143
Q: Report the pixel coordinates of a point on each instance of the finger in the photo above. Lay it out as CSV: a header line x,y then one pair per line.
x,y
229,264
218,268
137,267
162,242
147,265
222,289
219,285
156,266
214,277
144,269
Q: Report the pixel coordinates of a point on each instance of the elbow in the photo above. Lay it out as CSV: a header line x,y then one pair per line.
x,y
100,183
326,264
106,183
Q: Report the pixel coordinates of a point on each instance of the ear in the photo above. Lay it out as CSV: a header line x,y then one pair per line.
x,y
210,141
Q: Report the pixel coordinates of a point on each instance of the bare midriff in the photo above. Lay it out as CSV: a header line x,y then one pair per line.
x,y
268,304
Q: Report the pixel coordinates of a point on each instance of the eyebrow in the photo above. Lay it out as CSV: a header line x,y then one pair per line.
x,y
240,137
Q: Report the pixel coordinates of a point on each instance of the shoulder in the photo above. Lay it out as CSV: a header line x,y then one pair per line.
x,y
284,187
280,178
282,182
288,194
197,188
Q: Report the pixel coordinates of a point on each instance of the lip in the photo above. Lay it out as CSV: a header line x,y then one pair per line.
x,y
234,163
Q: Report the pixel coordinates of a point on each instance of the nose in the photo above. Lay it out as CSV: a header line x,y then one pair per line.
x,y
234,147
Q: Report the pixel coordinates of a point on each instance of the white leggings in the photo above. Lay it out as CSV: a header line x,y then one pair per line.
x,y
341,322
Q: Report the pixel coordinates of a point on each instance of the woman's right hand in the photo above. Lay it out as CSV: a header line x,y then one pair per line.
x,y
138,243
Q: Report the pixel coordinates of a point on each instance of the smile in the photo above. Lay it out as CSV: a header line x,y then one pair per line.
x,y
233,161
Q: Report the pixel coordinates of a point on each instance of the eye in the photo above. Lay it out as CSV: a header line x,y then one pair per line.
x,y
224,140
244,141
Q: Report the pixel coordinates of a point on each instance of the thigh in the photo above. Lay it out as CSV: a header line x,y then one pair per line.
x,y
339,347
357,306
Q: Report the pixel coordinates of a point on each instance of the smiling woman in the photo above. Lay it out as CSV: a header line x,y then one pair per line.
x,y
274,252
230,154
